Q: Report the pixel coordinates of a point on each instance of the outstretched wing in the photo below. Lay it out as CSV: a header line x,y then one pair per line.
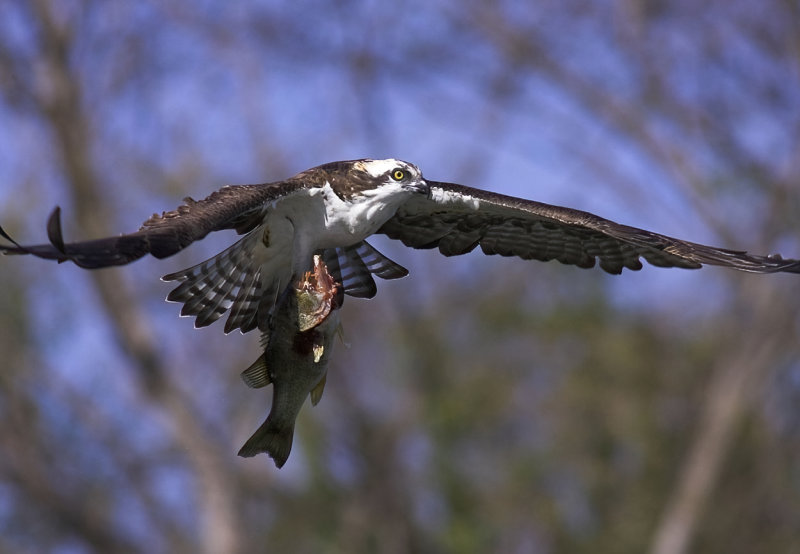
x,y
239,207
456,219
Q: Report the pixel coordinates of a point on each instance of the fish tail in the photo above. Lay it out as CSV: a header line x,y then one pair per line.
x,y
273,438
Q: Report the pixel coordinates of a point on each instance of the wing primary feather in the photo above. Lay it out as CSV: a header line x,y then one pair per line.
x,y
15,248
54,234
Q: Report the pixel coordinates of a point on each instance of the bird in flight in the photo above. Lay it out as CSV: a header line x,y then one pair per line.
x,y
317,222
331,210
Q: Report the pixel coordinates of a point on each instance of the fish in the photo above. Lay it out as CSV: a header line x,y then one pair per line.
x,y
297,348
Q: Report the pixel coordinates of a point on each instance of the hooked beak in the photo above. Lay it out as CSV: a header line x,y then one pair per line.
x,y
422,187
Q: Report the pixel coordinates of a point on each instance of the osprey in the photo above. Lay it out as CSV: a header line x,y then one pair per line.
x,y
332,209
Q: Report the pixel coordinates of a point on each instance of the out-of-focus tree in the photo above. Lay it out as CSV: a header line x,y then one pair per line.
x,y
485,404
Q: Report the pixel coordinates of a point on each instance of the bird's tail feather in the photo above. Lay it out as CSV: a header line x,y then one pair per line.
x,y
230,281
236,282
354,266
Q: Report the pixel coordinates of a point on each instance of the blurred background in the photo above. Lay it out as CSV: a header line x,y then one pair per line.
x,y
480,405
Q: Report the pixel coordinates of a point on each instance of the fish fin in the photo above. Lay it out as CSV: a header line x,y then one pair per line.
x,y
256,376
273,438
316,392
340,334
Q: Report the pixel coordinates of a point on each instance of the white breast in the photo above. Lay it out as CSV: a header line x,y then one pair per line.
x,y
320,219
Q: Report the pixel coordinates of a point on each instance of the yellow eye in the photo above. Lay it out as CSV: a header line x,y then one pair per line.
x,y
398,174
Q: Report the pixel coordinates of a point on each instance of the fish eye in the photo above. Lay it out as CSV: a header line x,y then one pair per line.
x,y
398,174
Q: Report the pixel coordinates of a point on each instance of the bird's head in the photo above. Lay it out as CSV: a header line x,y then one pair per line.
x,y
395,173
368,178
